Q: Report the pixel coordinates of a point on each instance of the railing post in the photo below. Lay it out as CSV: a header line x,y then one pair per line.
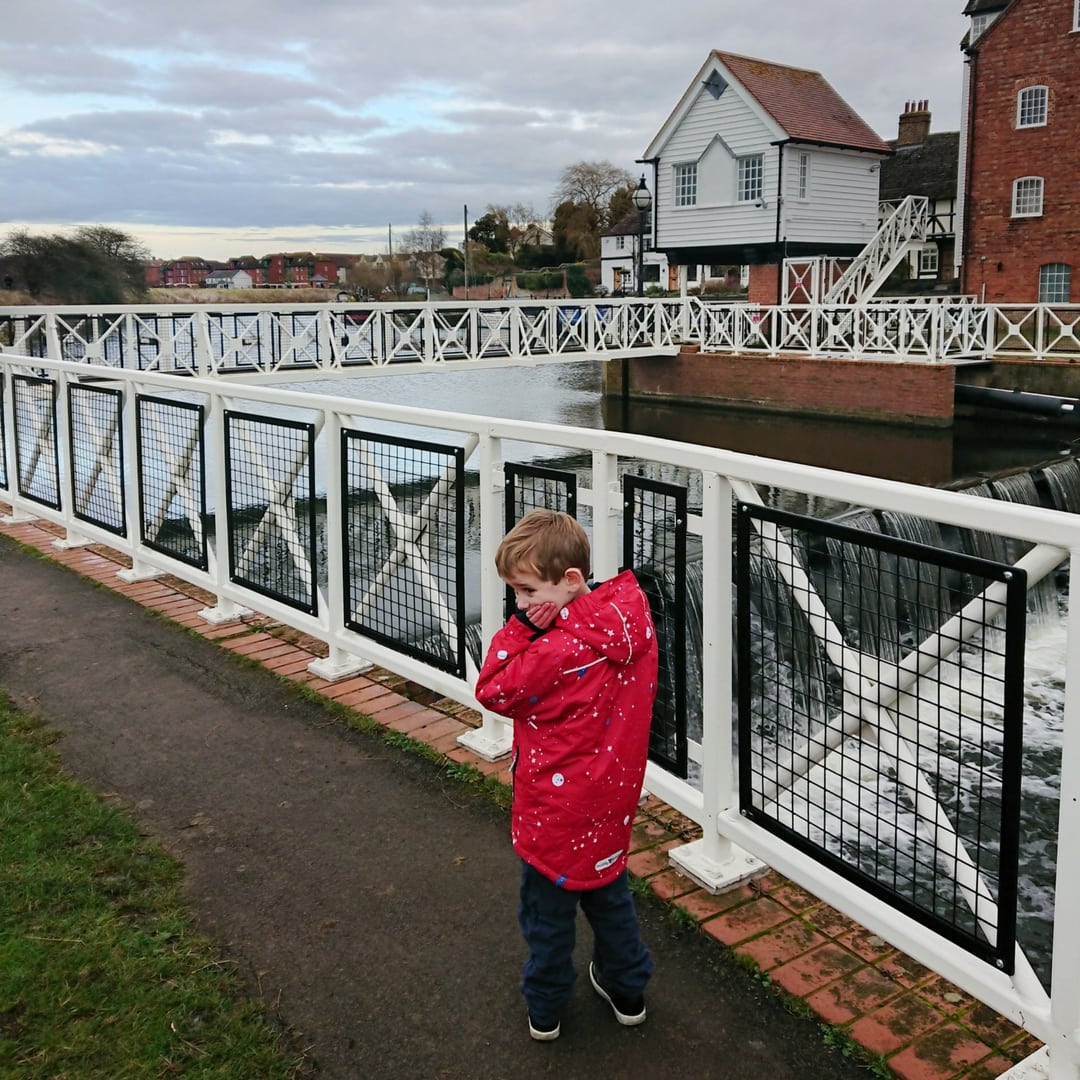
x,y
139,571
714,862
72,537
224,610
1065,963
606,507
494,738
339,664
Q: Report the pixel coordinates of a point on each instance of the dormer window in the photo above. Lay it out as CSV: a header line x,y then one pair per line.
x,y
1031,107
979,23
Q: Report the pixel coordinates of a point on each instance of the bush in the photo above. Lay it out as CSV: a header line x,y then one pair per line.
x,y
577,281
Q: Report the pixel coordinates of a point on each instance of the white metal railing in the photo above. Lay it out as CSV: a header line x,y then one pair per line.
x,y
296,342
713,477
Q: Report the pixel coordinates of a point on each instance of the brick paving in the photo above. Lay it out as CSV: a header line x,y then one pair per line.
x,y
922,1027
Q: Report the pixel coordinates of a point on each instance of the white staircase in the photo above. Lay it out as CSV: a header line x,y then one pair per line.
x,y
819,281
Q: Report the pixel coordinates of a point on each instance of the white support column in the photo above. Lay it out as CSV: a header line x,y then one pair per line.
x,y
714,862
339,664
72,538
607,502
494,738
139,571
224,610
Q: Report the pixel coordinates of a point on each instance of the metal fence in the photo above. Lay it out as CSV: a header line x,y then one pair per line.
x,y
277,342
868,684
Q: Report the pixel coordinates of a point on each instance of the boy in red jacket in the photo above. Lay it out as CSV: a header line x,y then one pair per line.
x,y
576,671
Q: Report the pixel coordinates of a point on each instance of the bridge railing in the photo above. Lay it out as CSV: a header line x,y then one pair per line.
x,y
276,342
879,709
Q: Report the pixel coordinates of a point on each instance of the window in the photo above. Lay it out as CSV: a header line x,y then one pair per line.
x,y
1076,15
928,260
1031,107
686,185
804,175
979,23
751,169
1028,197
1054,281
620,243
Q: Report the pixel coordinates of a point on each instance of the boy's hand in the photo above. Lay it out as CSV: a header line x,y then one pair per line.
x,y
542,616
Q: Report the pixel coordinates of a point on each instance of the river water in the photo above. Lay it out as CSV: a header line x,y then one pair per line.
x,y
571,394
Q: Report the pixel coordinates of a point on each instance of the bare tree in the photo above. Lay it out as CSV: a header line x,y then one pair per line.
x,y
590,184
424,243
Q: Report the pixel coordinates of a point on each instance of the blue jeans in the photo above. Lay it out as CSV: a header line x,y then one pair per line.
x,y
548,914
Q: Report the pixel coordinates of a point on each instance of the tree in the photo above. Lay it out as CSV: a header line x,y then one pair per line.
x,y
575,230
97,265
591,184
425,243
584,199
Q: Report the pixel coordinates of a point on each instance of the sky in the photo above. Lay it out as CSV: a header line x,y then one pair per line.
x,y
245,127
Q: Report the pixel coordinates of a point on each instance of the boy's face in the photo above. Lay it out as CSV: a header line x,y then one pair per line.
x,y
531,590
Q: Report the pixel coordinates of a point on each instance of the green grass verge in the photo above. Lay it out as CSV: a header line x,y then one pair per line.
x,y
102,976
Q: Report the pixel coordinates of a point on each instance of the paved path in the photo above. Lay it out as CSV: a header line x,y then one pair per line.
x,y
360,892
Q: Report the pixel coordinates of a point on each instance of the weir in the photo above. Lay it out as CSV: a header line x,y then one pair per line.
x,y
872,740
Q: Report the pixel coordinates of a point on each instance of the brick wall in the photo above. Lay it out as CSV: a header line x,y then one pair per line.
x,y
1031,45
764,283
894,393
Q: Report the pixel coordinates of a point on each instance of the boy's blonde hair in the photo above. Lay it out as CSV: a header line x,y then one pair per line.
x,y
545,542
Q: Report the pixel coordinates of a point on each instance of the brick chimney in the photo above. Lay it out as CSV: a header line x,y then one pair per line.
x,y
914,124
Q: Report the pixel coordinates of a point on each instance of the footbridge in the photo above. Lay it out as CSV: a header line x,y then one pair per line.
x,y
278,342
864,701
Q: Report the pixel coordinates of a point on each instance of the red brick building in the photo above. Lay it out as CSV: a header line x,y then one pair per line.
x,y
1020,152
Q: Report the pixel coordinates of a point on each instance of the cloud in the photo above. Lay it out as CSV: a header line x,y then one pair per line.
x,y
349,116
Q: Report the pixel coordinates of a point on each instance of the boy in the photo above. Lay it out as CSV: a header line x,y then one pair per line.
x,y
576,671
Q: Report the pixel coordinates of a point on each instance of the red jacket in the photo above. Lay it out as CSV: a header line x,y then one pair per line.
x,y
581,698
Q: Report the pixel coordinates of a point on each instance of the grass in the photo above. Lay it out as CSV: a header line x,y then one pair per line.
x,y
102,976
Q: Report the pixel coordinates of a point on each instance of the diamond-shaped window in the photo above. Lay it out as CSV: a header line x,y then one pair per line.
x,y
715,84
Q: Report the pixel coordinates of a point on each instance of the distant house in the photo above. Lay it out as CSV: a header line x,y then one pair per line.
x,y
188,271
759,162
925,164
228,279
1019,187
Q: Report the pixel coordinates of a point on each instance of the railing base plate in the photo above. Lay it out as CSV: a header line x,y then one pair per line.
x,y
139,574
219,615
716,875
486,746
333,670
17,517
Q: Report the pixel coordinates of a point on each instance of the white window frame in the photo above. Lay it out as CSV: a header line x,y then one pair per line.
x,y
804,175
1054,274
979,23
751,178
929,261
684,184
620,243
1028,102
1076,16
1027,196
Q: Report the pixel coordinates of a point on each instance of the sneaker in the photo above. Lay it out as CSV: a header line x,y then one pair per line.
x,y
628,1010
543,1032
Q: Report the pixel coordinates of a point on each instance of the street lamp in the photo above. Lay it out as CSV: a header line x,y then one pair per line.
x,y
643,201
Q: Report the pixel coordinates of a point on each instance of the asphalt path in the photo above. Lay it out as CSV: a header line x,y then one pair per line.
x,y
368,900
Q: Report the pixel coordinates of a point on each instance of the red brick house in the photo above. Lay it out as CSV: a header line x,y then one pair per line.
x,y
1019,179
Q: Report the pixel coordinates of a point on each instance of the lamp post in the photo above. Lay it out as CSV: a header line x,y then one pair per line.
x,y
643,201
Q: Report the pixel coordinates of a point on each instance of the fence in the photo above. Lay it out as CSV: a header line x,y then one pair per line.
x,y
876,704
